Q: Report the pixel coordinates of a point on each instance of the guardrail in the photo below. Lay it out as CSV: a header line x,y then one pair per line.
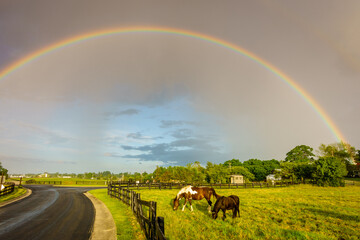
x,y
9,188
145,211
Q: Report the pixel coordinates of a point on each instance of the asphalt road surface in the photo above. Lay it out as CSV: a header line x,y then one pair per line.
x,y
49,213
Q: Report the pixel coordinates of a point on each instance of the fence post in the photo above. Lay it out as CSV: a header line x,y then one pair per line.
x,y
161,223
132,201
153,219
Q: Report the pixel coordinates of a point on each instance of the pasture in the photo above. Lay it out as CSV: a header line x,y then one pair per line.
x,y
295,212
65,181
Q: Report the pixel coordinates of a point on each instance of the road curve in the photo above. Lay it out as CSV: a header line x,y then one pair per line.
x,y
49,213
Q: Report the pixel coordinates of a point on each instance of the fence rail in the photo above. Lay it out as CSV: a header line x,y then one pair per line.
x,y
43,182
145,211
9,188
138,186
90,182
349,182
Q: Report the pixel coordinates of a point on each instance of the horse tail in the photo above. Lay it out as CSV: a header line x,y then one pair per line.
x,y
215,194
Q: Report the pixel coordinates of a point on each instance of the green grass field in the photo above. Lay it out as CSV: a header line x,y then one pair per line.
x,y
296,212
17,192
126,225
67,181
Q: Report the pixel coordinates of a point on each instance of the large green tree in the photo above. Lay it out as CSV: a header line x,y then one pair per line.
x,y
260,169
298,163
329,171
301,153
217,173
233,163
343,151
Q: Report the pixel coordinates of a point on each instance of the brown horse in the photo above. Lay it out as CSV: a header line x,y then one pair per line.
x,y
194,193
226,203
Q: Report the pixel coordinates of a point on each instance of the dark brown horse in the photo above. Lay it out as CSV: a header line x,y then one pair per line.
x,y
226,203
194,193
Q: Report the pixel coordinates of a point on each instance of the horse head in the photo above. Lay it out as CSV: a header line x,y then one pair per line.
x,y
176,203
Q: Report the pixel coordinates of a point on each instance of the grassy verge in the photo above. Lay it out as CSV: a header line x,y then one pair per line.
x,y
126,223
17,192
296,212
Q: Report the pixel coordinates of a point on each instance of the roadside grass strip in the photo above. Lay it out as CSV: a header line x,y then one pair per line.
x,y
296,212
17,193
127,226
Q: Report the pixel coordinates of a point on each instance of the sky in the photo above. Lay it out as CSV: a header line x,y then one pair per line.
x,y
130,102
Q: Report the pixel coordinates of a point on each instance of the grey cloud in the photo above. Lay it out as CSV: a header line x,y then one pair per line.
x,y
174,123
180,151
182,133
140,136
130,111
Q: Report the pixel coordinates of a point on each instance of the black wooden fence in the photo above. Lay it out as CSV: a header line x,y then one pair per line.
x,y
138,186
9,188
32,181
145,211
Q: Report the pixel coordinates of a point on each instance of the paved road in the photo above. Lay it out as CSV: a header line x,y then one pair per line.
x,y
48,213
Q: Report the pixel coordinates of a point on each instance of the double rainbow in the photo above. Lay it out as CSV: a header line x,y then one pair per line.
x,y
107,32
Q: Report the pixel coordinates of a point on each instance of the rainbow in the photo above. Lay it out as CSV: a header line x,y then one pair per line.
x,y
108,32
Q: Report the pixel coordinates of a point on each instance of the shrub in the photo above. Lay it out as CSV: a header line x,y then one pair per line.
x,y
329,171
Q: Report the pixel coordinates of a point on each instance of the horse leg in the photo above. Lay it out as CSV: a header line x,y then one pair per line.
x,y
184,204
215,214
191,205
209,202
224,216
234,213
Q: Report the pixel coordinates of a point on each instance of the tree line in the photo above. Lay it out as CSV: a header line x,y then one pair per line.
x,y
327,168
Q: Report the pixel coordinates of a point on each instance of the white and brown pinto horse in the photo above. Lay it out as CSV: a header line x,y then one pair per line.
x,y
194,193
